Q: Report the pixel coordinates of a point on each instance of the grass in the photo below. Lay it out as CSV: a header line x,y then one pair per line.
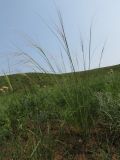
x,y
51,121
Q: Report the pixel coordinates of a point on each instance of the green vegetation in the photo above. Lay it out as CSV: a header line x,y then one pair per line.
x,y
53,117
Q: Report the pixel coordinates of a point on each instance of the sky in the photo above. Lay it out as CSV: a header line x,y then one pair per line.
x,y
23,22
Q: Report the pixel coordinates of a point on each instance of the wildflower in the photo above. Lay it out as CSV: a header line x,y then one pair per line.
x,y
2,90
111,71
5,88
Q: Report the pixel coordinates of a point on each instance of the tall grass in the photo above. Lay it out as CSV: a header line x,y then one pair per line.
x,y
72,98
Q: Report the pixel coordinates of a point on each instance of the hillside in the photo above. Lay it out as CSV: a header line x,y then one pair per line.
x,y
22,81
72,116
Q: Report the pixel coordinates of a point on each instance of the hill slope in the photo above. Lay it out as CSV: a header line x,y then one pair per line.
x,y
22,81
73,116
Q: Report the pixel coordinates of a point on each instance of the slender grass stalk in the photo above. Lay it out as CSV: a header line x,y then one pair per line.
x,y
90,41
83,53
64,38
35,149
8,81
64,67
101,54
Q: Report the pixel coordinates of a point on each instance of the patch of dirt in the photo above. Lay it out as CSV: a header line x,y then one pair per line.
x,y
58,156
80,157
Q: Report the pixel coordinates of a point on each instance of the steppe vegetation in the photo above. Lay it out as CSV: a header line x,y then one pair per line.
x,y
66,120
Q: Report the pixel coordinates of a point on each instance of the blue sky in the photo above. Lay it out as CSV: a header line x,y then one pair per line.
x,y
19,19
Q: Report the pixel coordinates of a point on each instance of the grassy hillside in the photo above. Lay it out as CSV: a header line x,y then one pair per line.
x,y
72,116
22,81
